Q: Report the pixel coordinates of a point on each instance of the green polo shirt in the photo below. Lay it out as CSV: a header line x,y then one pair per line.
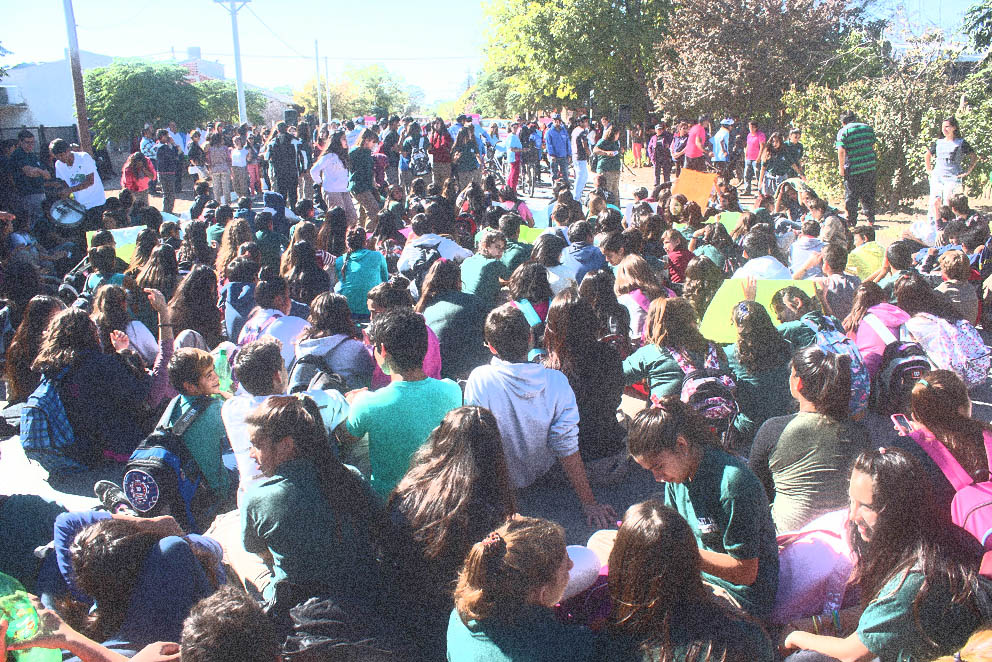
x,y
534,636
481,276
206,439
858,141
608,163
727,510
516,253
398,418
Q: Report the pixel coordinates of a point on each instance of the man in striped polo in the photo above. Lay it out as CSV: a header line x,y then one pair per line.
x,y
856,158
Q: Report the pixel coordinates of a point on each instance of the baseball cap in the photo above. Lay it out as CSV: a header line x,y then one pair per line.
x,y
556,116
659,126
726,121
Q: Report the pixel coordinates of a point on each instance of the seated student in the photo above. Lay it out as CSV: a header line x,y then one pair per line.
x,y
530,291
142,575
201,196
423,236
535,408
802,249
870,300
110,313
835,288
259,368
955,270
103,265
612,317
757,248
510,202
395,293
228,625
360,269
314,518
456,491
671,326
796,312
455,317
399,417
912,610
237,296
333,337
723,502
516,252
270,242
759,362
801,458
636,286
713,241
271,316
702,281
582,256
976,224
898,262
678,619
506,590
483,274
679,255
548,250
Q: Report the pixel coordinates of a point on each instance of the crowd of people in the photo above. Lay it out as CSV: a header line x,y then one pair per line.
x,y
329,406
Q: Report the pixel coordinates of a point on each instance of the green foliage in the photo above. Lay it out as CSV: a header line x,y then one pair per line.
x,y
978,24
219,99
3,51
369,90
975,116
122,97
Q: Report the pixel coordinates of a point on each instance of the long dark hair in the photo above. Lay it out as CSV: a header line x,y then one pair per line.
x,y
443,276
306,277
195,249
161,271
914,295
144,243
936,403
547,249
825,380
194,305
913,533
658,428
868,295
69,334
236,232
702,280
672,323
460,471
530,281
355,242
759,344
330,316
570,334
25,345
110,313
334,146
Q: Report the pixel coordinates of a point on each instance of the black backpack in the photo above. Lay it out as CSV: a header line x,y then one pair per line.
x,y
903,364
161,477
311,372
420,162
427,255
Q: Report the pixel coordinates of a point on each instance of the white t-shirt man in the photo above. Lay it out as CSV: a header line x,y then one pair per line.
x,y
73,175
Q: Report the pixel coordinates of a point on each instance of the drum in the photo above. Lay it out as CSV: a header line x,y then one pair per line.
x,y
67,214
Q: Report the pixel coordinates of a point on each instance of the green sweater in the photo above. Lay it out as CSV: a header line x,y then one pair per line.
x,y
660,369
360,176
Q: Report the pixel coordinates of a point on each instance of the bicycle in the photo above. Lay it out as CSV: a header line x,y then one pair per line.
x,y
530,172
495,168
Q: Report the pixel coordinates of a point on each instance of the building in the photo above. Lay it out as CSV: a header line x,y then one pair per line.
x,y
41,94
200,69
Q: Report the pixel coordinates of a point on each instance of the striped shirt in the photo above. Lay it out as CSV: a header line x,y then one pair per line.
x,y
858,141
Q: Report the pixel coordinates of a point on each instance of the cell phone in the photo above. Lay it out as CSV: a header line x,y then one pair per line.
x,y
901,423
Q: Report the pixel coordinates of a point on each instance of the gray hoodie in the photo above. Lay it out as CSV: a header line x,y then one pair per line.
x,y
536,412
345,356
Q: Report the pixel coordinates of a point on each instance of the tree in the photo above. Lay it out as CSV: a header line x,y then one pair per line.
x,y
978,24
740,56
124,96
378,92
546,53
3,51
219,99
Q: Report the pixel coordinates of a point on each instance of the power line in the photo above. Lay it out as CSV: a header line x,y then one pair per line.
x,y
411,58
274,34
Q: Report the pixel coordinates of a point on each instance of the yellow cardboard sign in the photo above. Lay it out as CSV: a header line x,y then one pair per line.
x,y
695,186
716,324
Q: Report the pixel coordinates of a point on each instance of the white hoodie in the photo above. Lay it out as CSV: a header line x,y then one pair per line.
x,y
536,412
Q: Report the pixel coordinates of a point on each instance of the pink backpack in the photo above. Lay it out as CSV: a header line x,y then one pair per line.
x,y
971,508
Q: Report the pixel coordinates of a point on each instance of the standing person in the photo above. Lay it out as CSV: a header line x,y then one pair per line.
x,y
390,146
660,152
856,160
778,163
721,149
361,179
752,152
514,154
219,163
148,146
945,161
441,144
167,164
798,149
466,160
637,144
679,143
239,167
610,161
282,157
580,155
559,149
136,176
331,172
78,171
697,144
29,176
414,162
304,159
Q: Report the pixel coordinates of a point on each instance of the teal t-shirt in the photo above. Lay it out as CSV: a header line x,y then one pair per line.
x,y
608,163
481,277
206,439
660,369
288,516
270,245
535,636
800,334
398,418
760,394
516,253
891,630
713,253
214,233
365,270
727,510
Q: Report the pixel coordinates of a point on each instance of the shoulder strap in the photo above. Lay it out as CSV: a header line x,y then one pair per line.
x,y
640,299
879,328
681,358
180,426
527,308
712,359
950,467
987,438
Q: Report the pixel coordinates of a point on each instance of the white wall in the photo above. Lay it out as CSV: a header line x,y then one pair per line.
x,y
47,90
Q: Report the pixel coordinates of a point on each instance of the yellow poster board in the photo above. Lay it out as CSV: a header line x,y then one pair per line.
x,y
695,185
530,235
716,324
125,239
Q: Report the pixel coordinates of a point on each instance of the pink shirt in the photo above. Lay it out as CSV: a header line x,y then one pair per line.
x,y
753,149
432,363
691,150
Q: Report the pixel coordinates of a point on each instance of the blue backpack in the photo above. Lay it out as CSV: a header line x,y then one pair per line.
x,y
46,433
830,339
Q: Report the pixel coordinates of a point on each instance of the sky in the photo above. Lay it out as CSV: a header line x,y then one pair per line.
x,y
434,44
434,47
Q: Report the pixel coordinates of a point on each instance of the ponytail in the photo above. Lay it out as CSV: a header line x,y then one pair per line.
x,y
825,380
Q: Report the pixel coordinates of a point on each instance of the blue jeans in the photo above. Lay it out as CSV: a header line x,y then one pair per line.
x,y
581,177
751,172
559,168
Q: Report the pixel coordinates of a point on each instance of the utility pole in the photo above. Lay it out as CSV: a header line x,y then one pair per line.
x,y
76,70
316,66
327,77
235,6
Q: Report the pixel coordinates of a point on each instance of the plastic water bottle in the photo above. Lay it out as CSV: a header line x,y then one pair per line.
x,y
23,622
223,370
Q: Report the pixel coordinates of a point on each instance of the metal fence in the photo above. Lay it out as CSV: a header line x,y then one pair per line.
x,y
44,134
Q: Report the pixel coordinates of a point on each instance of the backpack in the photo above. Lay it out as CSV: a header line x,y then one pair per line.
x,y
427,254
903,364
45,430
709,390
311,372
956,347
537,326
420,162
971,507
253,333
830,339
161,477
